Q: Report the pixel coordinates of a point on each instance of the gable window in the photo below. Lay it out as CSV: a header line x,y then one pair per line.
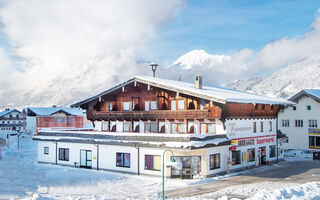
x,y
150,127
207,128
55,120
308,107
313,123
10,116
298,122
285,123
46,150
261,126
70,120
254,127
126,106
152,162
173,105
214,161
294,108
64,154
178,128
126,127
17,116
123,160
180,104
270,126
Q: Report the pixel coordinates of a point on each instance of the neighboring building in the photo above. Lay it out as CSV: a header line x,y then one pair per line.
x,y
300,122
139,119
12,121
53,117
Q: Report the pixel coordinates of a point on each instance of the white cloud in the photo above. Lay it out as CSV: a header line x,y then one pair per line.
x,y
70,41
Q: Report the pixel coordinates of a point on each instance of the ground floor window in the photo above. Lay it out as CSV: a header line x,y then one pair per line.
x,y
191,166
314,142
126,127
46,150
64,154
150,127
152,162
207,128
251,153
236,157
214,161
123,160
272,150
178,128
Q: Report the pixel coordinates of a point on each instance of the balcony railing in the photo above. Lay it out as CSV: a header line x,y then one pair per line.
x,y
156,114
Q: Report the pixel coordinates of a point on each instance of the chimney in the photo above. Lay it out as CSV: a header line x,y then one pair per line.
x,y
198,82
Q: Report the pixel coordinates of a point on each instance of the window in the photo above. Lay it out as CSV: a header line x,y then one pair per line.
x,y
173,105
153,105
150,127
64,154
270,126
285,123
207,128
55,120
308,107
214,161
254,127
294,108
236,158
178,128
10,116
146,106
263,106
126,127
123,160
126,106
313,123
261,126
180,104
314,142
251,153
17,116
272,152
46,150
152,162
299,123
70,120
256,107
63,120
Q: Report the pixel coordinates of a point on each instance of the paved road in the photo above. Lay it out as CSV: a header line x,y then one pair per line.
x,y
285,171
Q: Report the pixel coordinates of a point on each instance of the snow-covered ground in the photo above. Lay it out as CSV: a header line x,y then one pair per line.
x,y
21,177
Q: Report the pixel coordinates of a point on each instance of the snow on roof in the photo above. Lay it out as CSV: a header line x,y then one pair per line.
x,y
46,111
315,93
216,94
3,113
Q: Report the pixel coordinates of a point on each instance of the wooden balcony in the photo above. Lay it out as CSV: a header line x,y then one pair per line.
x,y
156,114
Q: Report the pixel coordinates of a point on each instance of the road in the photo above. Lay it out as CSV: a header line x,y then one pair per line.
x,y
281,172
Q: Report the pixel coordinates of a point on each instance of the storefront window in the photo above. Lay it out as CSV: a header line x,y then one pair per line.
x,y
272,150
214,161
251,153
123,160
236,159
152,162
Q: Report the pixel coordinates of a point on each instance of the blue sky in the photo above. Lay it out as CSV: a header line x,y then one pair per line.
x,y
224,27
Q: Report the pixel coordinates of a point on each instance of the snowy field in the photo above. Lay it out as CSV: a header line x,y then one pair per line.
x,y
21,177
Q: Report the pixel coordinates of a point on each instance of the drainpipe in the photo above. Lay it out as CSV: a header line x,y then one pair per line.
x,y
97,145
56,151
277,139
138,148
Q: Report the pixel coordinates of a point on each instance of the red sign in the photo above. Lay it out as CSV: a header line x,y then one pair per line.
x,y
267,140
233,148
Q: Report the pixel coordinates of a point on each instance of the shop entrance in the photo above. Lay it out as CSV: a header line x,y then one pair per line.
x,y
191,166
263,158
85,158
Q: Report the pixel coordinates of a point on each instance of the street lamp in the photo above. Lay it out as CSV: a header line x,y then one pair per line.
x,y
173,163
154,67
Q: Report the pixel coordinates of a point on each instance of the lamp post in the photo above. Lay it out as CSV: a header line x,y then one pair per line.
x,y
154,67
173,163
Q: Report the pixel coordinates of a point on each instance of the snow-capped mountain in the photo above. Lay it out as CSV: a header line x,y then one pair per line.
x,y
299,75
196,58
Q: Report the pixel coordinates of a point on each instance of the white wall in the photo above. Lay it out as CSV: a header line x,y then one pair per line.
x,y
223,151
298,136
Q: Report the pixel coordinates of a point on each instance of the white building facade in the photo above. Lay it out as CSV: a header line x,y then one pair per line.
x,y
12,121
300,123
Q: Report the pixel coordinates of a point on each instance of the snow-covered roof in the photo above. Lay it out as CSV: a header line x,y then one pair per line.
x,y
315,93
47,111
3,113
216,94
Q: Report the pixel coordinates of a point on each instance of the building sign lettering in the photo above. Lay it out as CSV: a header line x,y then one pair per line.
x,y
267,140
246,142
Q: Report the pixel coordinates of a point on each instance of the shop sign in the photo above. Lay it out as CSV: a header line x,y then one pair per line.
x,y
267,140
246,142
234,142
233,129
233,148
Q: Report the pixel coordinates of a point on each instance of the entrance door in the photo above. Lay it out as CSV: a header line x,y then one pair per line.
x,y
263,158
85,158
